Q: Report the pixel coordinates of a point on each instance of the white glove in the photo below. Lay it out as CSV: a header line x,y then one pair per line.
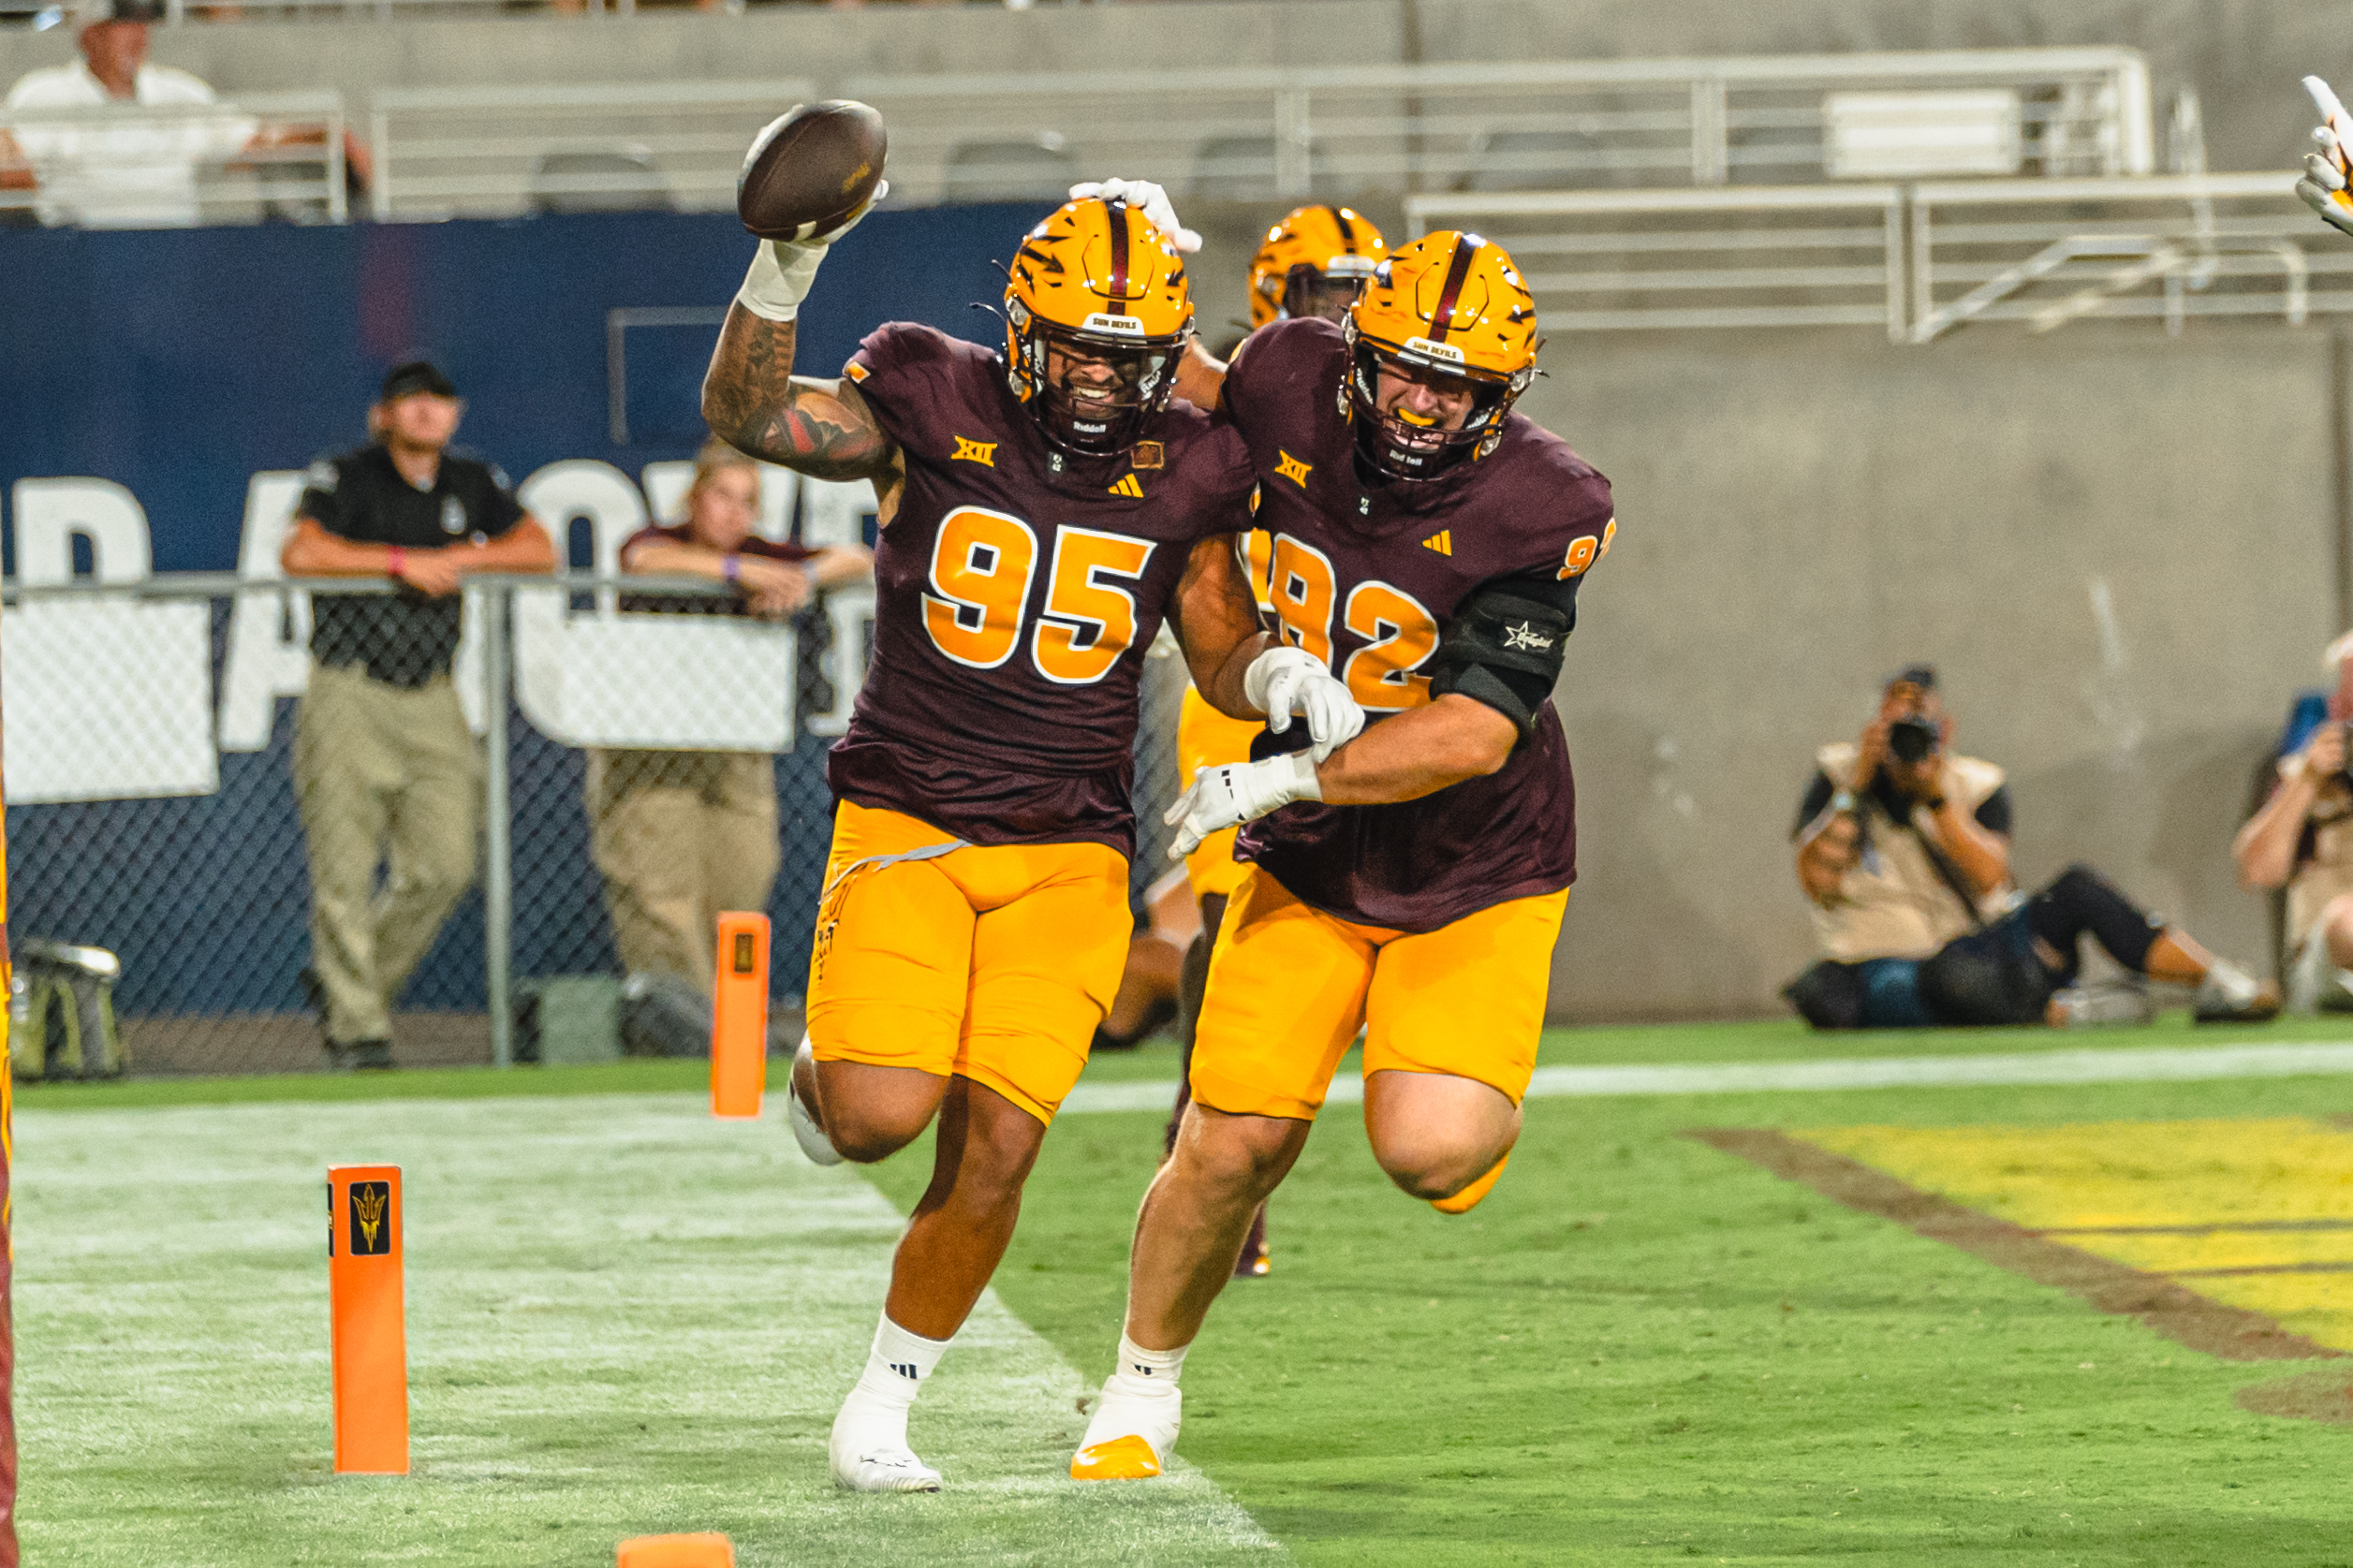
x,y
1239,791
783,270
2323,184
1152,198
1283,681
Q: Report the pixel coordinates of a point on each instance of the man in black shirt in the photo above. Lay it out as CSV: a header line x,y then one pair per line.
x,y
384,766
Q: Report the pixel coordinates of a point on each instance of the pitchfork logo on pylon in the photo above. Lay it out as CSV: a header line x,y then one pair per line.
x,y
370,1219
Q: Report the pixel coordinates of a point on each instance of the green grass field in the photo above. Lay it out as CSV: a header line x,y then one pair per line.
x,y
625,1317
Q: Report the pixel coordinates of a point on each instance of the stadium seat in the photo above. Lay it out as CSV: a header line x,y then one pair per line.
x,y
1242,169
1039,169
621,181
1537,161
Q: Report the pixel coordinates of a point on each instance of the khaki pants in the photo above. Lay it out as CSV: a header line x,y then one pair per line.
x,y
680,836
381,773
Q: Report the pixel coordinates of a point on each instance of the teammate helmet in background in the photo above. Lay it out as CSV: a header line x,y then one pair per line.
x,y
1098,281
1448,309
1315,262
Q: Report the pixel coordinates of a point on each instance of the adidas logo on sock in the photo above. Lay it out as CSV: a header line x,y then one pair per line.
x,y
905,1369
1139,1369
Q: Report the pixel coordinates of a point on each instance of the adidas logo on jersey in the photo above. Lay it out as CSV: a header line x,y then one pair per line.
x,y
1442,541
1128,485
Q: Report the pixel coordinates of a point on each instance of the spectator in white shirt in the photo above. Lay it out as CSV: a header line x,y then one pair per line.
x,y
125,172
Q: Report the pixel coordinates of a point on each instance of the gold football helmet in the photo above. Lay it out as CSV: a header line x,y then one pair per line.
x,y
1315,262
1448,310
1096,309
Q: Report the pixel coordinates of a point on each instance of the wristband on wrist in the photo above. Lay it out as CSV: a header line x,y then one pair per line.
x,y
395,560
732,568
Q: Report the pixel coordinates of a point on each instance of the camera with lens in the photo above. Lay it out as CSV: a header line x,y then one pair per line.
x,y
1912,740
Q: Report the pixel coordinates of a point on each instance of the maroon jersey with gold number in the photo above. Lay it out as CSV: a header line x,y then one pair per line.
x,y
1367,577
1016,590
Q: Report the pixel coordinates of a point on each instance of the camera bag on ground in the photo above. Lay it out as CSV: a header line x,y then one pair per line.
x,y
61,1013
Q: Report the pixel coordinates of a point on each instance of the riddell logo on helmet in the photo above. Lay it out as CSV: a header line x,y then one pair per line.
x,y
1121,326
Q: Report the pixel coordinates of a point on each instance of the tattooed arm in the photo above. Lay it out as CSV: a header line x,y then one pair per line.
x,y
754,402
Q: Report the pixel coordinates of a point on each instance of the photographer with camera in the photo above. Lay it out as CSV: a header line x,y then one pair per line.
x,y
1904,847
2302,839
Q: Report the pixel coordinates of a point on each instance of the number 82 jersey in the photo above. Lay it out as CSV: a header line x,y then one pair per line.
x,y
1017,591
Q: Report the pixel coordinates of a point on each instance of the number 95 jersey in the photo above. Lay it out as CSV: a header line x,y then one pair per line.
x,y
1373,578
1016,590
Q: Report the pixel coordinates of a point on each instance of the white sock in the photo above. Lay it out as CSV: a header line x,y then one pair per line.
x,y
1147,1372
896,1366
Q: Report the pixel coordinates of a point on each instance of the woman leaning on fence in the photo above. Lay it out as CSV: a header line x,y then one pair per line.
x,y
681,835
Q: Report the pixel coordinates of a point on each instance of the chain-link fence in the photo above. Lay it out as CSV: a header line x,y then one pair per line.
x,y
562,779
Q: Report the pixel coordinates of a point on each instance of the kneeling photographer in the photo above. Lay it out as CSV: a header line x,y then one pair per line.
x,y
1904,847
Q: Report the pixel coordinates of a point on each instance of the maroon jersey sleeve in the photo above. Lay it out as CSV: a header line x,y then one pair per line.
x,y
912,377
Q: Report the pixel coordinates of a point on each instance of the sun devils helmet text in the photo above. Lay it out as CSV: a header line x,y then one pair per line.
x,y
1096,282
1451,309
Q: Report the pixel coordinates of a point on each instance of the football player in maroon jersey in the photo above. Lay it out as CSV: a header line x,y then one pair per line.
x,y
1428,547
1042,512
1315,262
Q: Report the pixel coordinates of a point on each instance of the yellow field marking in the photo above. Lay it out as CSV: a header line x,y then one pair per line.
x,y
2096,1183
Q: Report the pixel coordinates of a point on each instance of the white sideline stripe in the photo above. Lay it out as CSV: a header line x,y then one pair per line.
x,y
2165,1064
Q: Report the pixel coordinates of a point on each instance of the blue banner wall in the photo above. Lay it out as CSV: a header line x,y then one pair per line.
x,y
178,364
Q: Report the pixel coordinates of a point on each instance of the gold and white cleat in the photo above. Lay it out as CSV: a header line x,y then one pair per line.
x,y
1131,1434
1122,1459
883,1470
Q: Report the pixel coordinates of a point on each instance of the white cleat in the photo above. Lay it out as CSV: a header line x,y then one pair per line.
x,y
815,1144
883,1469
1131,1434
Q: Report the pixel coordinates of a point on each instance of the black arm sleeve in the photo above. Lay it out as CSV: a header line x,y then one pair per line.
x,y
1818,794
1505,643
1993,811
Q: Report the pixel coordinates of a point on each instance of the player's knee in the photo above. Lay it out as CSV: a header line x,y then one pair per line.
x,y
1436,1167
865,1134
1245,1154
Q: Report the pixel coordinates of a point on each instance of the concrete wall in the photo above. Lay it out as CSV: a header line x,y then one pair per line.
x,y
2118,550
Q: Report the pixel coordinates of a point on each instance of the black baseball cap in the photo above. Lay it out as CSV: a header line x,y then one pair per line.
x,y
1922,676
122,10
417,376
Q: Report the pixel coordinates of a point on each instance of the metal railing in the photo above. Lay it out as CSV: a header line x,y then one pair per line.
x,y
1252,133
1918,259
1244,134
154,166
153,805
